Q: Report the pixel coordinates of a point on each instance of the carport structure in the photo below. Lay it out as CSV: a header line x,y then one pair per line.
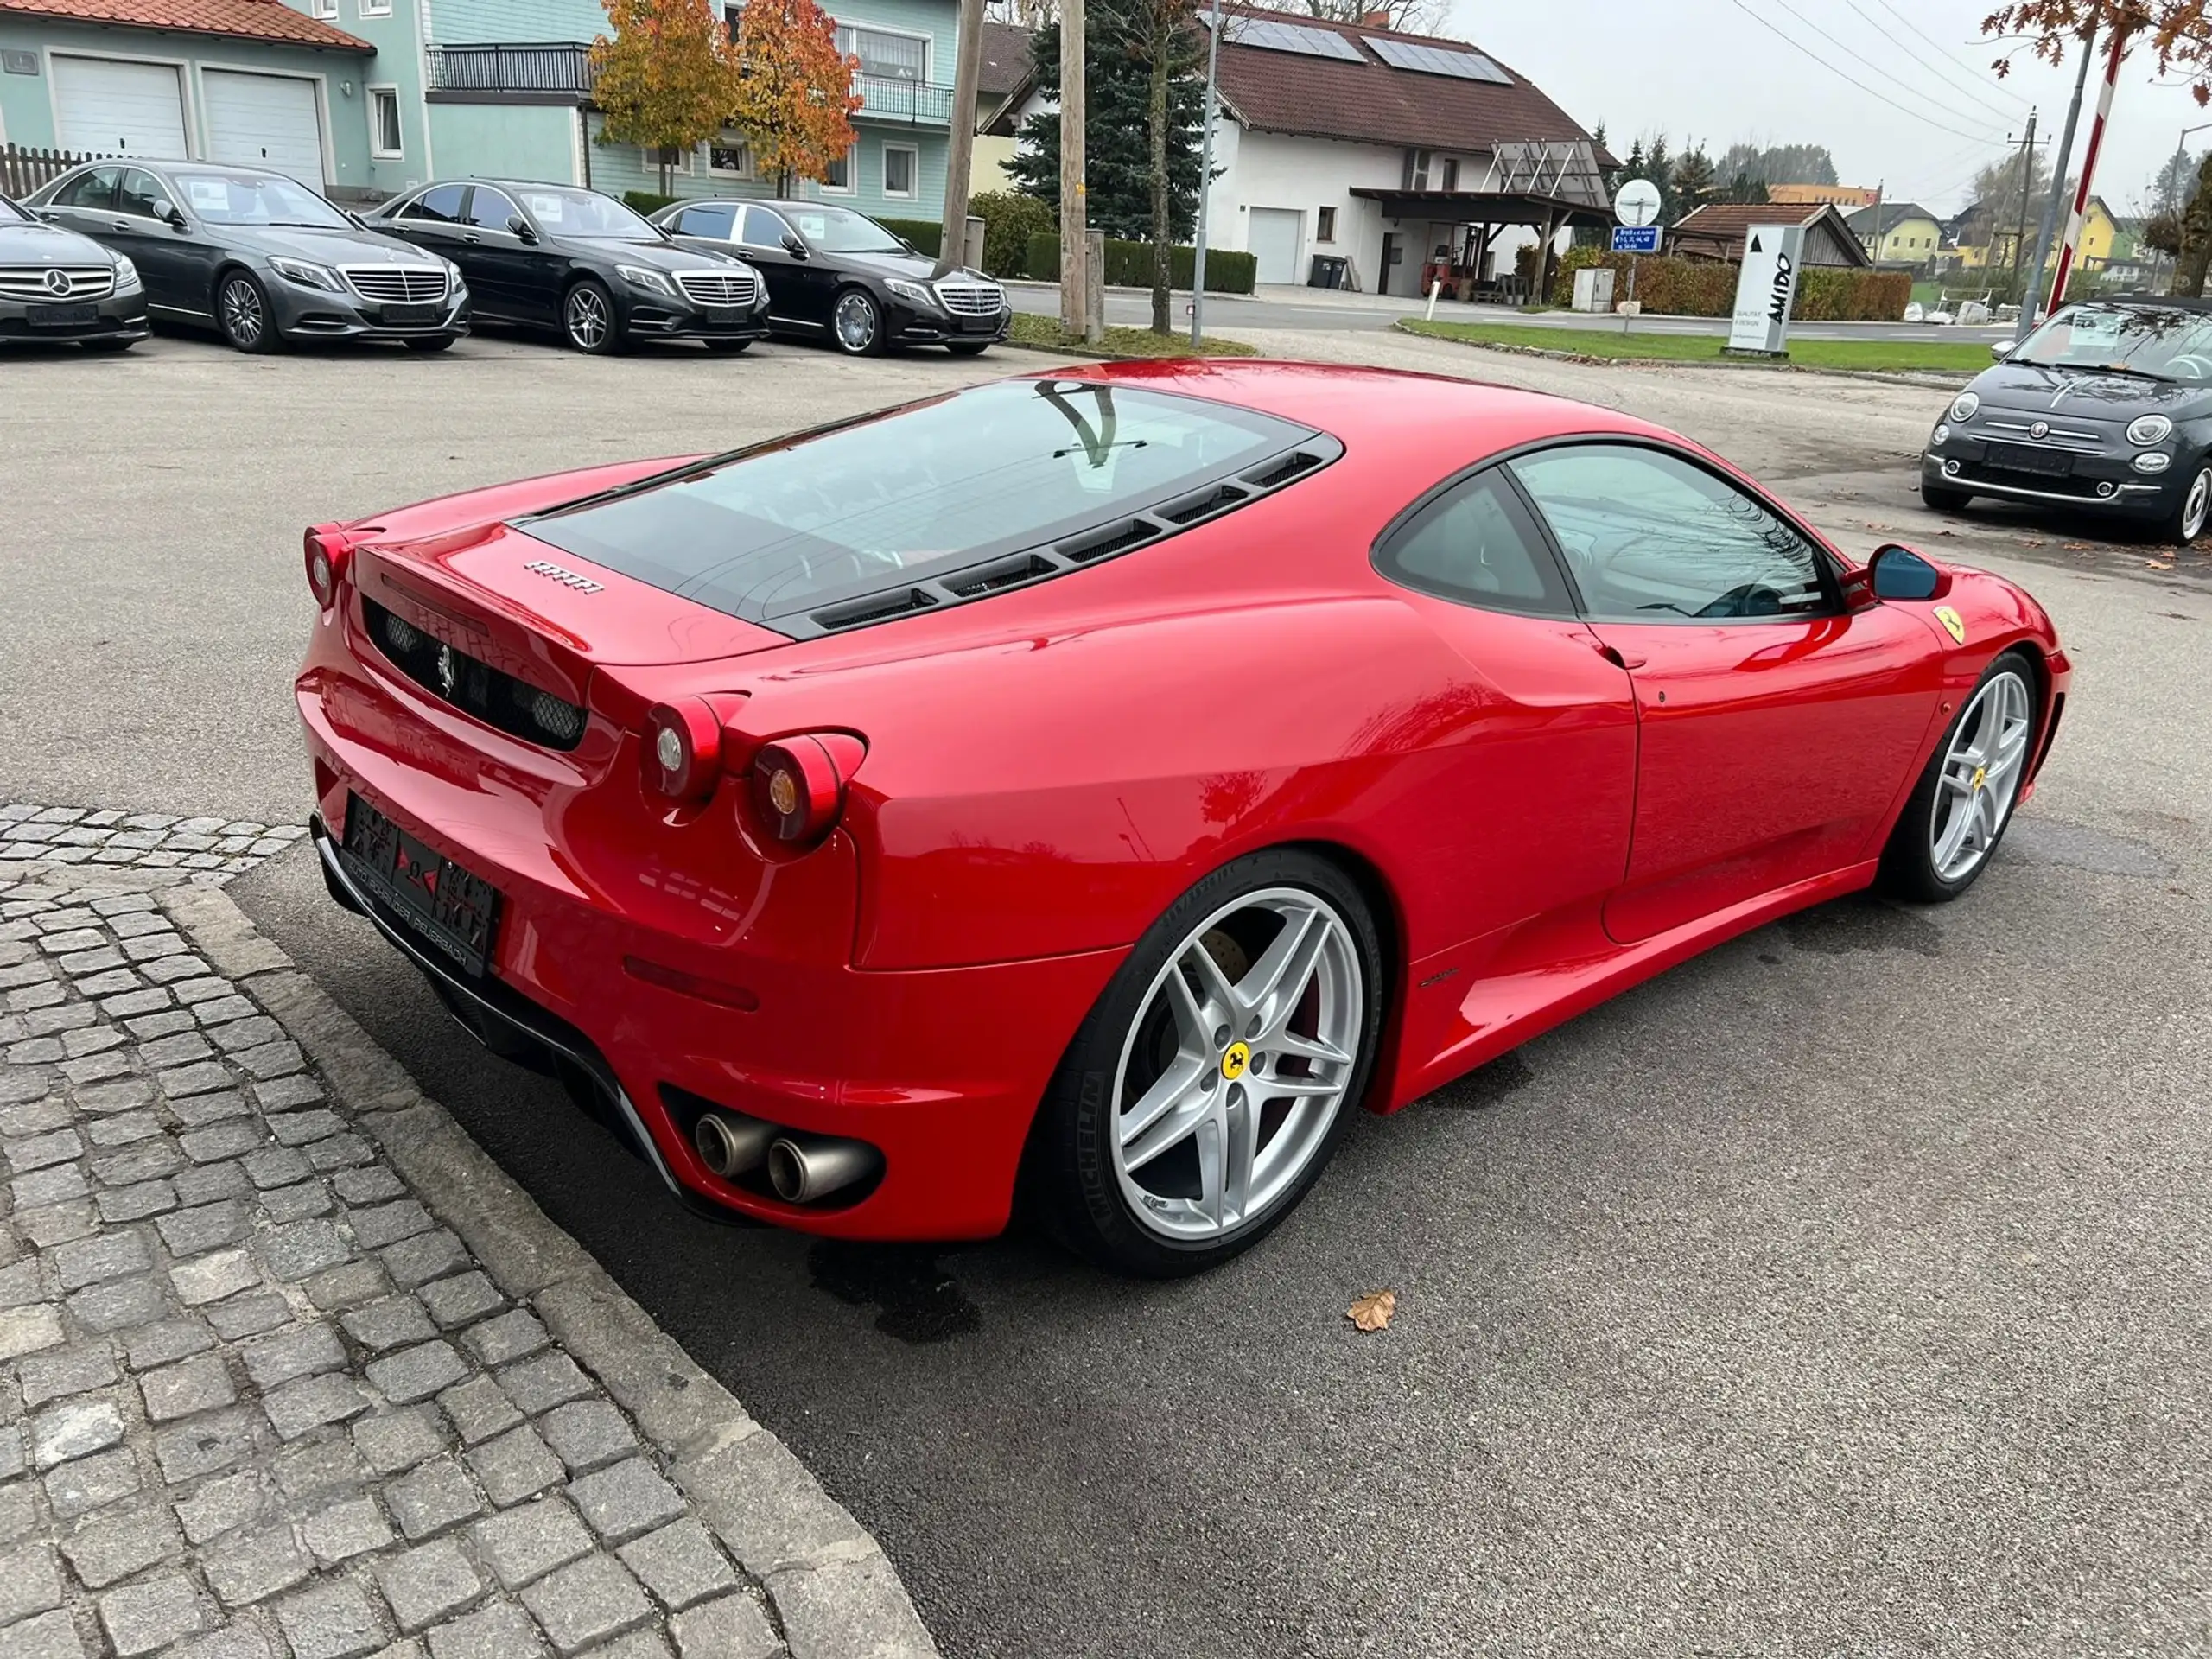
x,y
1466,224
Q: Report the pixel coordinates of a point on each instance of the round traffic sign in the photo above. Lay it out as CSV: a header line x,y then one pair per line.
x,y
1636,202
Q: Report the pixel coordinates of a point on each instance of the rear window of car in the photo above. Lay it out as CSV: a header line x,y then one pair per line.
x,y
774,534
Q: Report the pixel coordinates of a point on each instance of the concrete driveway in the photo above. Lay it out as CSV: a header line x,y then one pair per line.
x,y
1843,1291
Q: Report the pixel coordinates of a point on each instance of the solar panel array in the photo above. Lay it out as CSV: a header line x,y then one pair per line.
x,y
1271,36
1435,61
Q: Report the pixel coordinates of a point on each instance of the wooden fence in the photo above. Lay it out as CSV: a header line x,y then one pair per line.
x,y
23,171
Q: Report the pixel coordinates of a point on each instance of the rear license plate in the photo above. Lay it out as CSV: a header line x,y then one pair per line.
x,y
2025,458
449,909
62,316
409,315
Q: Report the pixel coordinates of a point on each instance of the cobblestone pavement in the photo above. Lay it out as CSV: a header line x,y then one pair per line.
x,y
211,850
288,1367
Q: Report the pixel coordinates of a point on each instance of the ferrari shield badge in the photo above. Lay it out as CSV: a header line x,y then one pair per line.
x,y
1953,623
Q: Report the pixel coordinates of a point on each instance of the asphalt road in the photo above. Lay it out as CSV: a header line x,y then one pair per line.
x,y
1287,308
1842,1291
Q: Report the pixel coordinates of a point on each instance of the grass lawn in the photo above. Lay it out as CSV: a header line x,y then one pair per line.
x,y
1881,356
1030,329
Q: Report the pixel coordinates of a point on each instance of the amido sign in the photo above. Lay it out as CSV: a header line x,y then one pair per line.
x,y
1766,290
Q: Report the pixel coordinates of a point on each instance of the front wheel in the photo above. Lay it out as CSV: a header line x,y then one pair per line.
x,y
1938,499
242,313
1209,1086
968,348
1964,800
857,323
587,319
2191,507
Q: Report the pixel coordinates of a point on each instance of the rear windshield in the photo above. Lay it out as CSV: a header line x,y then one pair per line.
x,y
859,508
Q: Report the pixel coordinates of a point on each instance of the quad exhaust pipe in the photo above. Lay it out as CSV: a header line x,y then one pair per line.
x,y
802,1168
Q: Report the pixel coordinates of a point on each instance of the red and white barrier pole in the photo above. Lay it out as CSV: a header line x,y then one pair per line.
x,y
2074,218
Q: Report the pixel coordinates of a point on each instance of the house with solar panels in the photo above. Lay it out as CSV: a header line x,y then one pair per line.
x,y
1368,158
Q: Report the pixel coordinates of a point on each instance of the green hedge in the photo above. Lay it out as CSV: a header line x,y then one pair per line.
x,y
926,234
1010,218
1128,264
645,201
1695,287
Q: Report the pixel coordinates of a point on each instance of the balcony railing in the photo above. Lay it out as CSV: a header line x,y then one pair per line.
x,y
884,97
560,69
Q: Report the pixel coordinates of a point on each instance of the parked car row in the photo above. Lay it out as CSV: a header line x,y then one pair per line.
x,y
100,253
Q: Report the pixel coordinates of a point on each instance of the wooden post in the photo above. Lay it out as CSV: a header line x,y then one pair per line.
x,y
959,160
1094,286
1543,296
1074,216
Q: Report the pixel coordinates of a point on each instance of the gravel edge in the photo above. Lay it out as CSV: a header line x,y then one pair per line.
x,y
833,1588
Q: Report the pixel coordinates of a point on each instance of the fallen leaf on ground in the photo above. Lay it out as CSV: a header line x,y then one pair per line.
x,y
1373,1312
2155,565
2075,547
1947,530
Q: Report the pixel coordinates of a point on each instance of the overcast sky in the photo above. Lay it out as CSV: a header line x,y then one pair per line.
x,y
1707,70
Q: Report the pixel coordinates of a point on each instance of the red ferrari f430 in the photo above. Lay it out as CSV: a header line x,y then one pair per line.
x,y
1090,789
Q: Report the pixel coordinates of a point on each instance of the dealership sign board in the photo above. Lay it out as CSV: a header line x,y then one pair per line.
x,y
1766,290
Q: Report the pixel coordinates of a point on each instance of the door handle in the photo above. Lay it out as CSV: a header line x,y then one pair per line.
x,y
472,240
122,225
1616,658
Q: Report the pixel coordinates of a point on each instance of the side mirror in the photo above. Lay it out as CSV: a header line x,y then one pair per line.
x,y
175,216
1899,573
2002,349
519,226
794,247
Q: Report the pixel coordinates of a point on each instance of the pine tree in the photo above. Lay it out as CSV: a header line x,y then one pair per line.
x,y
668,79
1695,181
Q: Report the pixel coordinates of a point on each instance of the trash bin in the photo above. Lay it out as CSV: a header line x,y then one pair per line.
x,y
1329,271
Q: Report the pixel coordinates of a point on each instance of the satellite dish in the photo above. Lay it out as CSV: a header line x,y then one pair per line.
x,y
1636,202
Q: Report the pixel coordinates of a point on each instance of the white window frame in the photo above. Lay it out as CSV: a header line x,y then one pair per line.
x,y
928,41
913,176
730,141
326,10
852,175
375,7
376,152
649,162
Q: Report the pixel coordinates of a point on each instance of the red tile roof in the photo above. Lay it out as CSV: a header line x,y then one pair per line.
x,y
1373,102
1717,230
243,20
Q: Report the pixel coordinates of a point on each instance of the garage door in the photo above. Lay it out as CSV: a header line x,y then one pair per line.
x,y
112,108
1275,234
263,121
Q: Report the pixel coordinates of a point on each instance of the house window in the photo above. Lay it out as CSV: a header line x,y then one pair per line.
x,y
384,138
1417,162
1451,172
840,181
326,8
901,163
376,8
732,158
886,56
1324,224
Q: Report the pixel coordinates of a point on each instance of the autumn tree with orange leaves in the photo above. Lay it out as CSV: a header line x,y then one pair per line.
x,y
795,98
2178,32
668,81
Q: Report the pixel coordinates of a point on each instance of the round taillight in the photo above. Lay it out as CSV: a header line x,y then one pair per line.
x,y
325,548
683,752
799,785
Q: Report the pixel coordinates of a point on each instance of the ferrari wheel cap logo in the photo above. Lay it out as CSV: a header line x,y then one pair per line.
x,y
1980,777
1954,624
1236,1062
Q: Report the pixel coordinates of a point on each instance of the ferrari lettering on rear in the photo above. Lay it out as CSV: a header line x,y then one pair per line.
x,y
566,578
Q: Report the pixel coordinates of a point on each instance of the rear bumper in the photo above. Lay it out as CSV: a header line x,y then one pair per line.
x,y
941,1071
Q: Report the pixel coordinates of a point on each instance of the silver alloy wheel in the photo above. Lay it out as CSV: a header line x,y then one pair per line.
x,y
587,319
244,317
1237,1064
2199,503
856,320
1981,774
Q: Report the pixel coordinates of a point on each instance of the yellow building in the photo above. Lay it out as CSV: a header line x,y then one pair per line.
x,y
1908,234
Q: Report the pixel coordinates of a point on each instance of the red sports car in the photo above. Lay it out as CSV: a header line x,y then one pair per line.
x,y
1094,786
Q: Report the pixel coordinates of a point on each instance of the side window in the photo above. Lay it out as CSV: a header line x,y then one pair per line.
x,y
490,211
711,221
140,192
1476,544
441,206
1650,536
762,229
95,190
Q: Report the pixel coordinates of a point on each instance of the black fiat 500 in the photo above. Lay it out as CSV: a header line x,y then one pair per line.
x,y
258,254
2107,408
553,256
838,276
56,285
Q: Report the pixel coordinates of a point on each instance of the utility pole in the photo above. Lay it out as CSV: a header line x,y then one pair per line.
x,y
1205,185
2029,296
1074,221
960,159
2027,183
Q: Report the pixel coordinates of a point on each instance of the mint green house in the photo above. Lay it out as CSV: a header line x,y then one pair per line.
x,y
363,98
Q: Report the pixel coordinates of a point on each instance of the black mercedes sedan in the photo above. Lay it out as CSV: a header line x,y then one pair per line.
x,y
56,285
553,256
258,255
838,276
2105,409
